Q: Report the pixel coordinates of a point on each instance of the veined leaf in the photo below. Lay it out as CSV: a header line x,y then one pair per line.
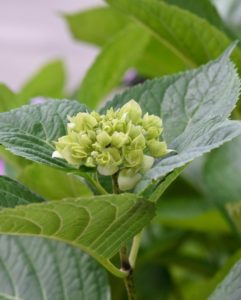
x,y
98,225
115,58
48,82
171,25
12,193
204,9
31,130
99,25
194,106
47,181
36,269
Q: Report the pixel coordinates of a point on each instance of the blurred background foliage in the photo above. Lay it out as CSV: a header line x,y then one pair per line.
x,y
195,237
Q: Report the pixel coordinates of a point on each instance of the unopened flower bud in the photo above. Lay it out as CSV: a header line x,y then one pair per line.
x,y
157,148
127,180
147,163
103,138
133,158
118,139
132,110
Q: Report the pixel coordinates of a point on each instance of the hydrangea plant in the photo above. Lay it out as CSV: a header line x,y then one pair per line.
x,y
121,154
121,143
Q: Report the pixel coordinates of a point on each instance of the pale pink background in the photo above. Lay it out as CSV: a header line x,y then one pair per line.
x,y
33,32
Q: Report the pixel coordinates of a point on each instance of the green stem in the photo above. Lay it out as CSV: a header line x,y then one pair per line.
x,y
129,279
97,185
126,266
134,249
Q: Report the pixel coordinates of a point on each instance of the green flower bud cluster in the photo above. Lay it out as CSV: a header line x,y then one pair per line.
x,y
120,141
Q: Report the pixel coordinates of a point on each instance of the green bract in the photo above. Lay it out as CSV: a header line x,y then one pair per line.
x,y
120,141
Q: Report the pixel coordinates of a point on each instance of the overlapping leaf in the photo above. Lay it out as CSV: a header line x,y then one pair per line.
x,y
47,181
171,25
194,106
108,22
230,287
110,66
99,226
31,130
36,268
13,193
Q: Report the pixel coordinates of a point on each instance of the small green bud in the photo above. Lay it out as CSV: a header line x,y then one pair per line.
x,y
157,148
108,161
81,122
139,142
133,158
151,121
107,170
127,180
103,138
147,163
119,139
132,110
90,162
153,126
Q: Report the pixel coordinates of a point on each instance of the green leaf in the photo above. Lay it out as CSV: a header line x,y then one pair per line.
x,y
229,288
48,82
116,57
98,225
7,98
194,106
31,130
107,21
204,9
171,25
12,193
36,269
222,173
47,181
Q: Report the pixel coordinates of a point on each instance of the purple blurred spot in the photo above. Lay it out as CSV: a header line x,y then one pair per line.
x,y
38,100
130,76
2,167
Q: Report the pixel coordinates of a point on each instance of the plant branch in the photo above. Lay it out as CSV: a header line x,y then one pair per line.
x,y
134,249
126,266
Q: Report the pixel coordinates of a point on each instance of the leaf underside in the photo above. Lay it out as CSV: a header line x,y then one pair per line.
x,y
37,268
194,107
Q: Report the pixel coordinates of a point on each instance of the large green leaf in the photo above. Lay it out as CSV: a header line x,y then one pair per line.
x,y
194,106
230,287
13,193
99,25
107,21
222,173
178,29
31,130
36,269
115,58
204,9
49,82
97,225
47,181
